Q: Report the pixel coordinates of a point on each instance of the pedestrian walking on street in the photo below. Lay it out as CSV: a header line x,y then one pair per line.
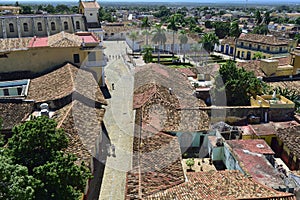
x,y
112,86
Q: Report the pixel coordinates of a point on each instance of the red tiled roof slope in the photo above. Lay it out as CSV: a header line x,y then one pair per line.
x,y
217,185
264,39
63,82
82,124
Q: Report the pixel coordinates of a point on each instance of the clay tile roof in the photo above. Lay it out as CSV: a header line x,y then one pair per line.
x,y
156,166
63,82
253,66
82,124
253,163
90,4
14,113
292,85
12,44
187,72
167,78
264,39
291,139
228,40
64,39
218,185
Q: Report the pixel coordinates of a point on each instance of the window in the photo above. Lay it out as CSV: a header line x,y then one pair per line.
x,y
19,89
268,48
66,25
92,56
76,58
258,47
77,25
250,46
53,26
11,28
91,14
242,44
25,27
280,49
5,91
39,25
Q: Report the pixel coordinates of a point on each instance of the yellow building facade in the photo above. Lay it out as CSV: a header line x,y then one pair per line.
x,y
37,55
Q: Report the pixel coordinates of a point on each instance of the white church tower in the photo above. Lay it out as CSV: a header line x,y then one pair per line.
x,y
90,9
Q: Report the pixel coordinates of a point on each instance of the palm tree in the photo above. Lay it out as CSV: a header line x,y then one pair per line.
x,y
147,33
147,53
173,25
208,41
146,24
159,37
133,36
235,32
183,40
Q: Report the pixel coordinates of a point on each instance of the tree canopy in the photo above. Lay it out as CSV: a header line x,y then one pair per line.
x,y
34,166
238,85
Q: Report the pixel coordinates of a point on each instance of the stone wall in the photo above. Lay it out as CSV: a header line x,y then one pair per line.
x,y
40,25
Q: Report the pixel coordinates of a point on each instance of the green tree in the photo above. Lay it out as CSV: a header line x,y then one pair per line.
x,y
147,54
50,9
159,37
15,181
258,55
146,25
35,142
61,179
235,32
190,162
62,9
133,36
221,29
208,24
74,9
173,25
238,85
267,18
183,41
261,29
258,17
25,9
297,21
208,40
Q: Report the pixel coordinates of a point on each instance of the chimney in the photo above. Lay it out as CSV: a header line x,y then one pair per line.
x,y
44,109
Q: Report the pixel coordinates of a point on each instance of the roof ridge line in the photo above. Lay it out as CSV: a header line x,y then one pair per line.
x,y
67,113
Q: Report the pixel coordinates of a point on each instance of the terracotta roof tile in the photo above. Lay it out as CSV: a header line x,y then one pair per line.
x,y
291,138
14,113
90,4
228,40
252,66
264,39
64,39
292,85
63,82
82,125
157,166
217,185
12,44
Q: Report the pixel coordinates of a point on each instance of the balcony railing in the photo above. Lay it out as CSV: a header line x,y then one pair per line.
x,y
262,50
